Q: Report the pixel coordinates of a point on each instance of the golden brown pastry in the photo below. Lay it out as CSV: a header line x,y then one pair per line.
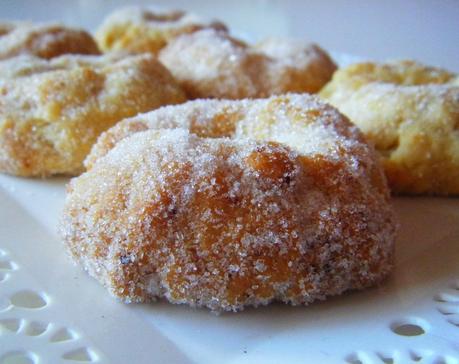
x,y
211,64
43,40
227,204
411,113
52,111
136,30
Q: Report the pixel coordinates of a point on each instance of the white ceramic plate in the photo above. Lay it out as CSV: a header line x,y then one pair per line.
x,y
52,312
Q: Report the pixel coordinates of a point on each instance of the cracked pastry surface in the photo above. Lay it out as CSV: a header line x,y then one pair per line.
x,y
43,40
137,30
411,113
52,111
228,204
211,64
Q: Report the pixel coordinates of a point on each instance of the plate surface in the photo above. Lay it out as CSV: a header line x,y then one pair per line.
x,y
52,312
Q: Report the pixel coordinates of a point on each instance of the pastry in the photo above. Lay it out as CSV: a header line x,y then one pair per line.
x,y
228,204
52,111
411,113
212,64
136,29
43,40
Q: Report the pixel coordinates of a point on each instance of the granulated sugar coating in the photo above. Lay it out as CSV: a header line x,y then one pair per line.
x,y
211,64
138,29
52,111
43,40
227,204
411,114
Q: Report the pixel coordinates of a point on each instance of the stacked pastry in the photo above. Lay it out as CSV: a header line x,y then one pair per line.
x,y
53,110
208,62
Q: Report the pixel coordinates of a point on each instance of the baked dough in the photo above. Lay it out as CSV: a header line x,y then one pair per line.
x,y
136,29
52,111
211,64
232,204
43,40
411,113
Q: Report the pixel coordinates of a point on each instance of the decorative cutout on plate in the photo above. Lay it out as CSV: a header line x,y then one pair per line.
x,y
400,357
408,328
57,343
448,303
63,335
412,326
34,328
3,276
44,331
25,299
11,325
19,357
84,355
7,266
29,299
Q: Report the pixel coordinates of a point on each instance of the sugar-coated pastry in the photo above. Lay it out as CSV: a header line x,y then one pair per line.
x,y
43,40
411,113
52,111
137,29
212,64
227,204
